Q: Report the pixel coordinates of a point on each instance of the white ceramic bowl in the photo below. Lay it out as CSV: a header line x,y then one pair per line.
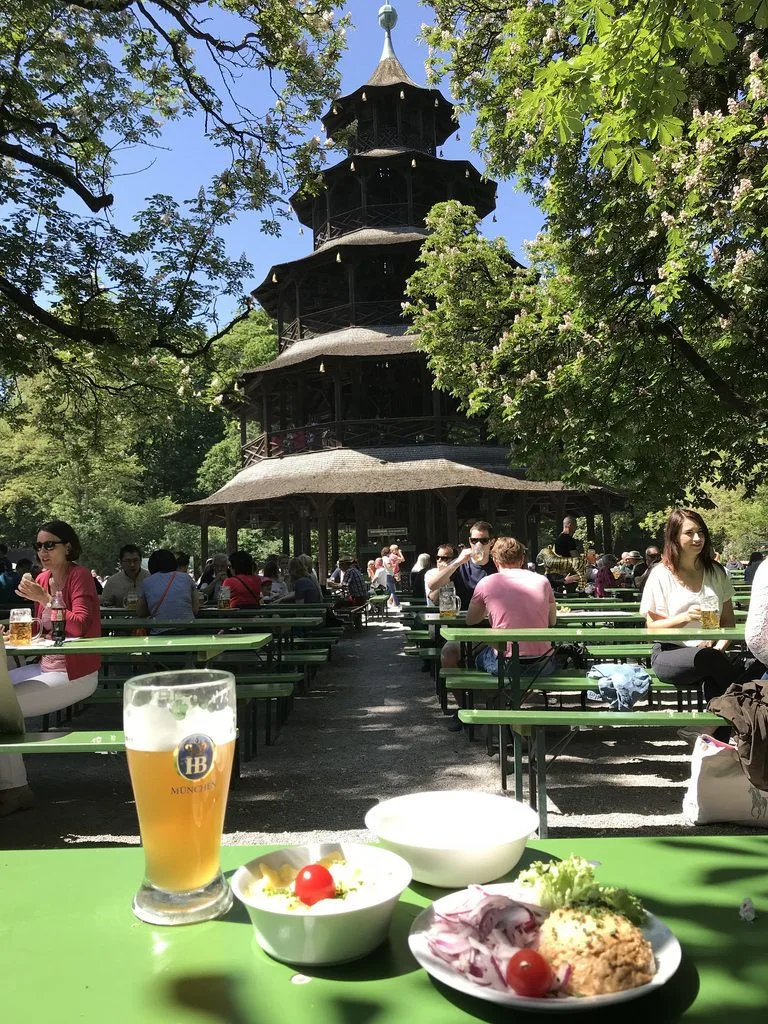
x,y
453,838
333,931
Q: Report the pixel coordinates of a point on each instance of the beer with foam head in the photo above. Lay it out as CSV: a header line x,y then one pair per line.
x,y
180,742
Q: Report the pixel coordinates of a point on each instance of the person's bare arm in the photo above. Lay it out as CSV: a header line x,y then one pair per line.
x,y
552,612
476,612
656,620
441,576
142,609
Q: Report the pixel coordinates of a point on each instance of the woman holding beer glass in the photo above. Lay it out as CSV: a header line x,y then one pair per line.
x,y
678,588
59,680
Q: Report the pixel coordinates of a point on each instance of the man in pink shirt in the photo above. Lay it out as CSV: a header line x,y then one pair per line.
x,y
515,598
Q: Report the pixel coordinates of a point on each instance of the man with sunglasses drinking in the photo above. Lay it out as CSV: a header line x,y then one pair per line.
x,y
465,571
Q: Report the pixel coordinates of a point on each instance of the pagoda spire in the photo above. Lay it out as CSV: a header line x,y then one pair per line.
x,y
389,69
387,20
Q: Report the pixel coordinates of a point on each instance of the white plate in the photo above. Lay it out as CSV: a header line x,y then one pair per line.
x,y
666,949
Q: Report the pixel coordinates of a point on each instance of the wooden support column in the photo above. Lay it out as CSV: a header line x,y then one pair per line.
x,y
265,421
518,508
286,536
230,521
204,517
334,535
607,528
450,498
338,412
430,505
243,437
362,507
323,506
590,538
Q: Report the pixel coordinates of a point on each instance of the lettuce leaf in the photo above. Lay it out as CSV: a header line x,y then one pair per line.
x,y
572,883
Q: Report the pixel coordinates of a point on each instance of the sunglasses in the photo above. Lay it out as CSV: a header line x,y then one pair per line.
x,y
479,540
443,558
49,545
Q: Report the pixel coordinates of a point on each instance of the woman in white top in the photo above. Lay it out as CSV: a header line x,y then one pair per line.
x,y
672,599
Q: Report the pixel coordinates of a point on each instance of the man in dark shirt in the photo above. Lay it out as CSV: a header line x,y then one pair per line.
x,y
465,571
652,557
566,544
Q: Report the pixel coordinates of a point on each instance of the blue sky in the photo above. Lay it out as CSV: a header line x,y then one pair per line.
x,y
186,160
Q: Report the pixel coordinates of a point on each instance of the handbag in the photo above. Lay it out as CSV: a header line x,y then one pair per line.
x,y
719,790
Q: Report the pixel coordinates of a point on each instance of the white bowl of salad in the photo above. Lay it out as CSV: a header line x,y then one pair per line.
x,y
325,903
456,837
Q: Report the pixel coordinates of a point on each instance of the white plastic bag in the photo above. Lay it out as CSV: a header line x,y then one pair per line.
x,y
719,790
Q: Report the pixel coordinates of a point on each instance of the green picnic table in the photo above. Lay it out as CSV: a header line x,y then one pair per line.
x,y
500,638
205,647
75,952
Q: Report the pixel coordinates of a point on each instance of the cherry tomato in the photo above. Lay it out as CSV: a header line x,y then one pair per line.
x,y
315,883
529,974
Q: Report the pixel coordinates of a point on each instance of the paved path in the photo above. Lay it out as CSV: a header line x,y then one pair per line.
x,y
370,728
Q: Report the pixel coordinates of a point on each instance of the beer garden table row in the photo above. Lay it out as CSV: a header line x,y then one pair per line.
x,y
509,667
72,949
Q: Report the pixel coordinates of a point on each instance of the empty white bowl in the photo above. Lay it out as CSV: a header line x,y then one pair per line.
x,y
333,931
453,838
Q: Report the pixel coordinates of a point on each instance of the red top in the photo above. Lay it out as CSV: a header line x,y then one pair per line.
x,y
83,616
244,590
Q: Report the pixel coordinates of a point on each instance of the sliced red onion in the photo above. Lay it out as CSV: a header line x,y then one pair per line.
x,y
480,936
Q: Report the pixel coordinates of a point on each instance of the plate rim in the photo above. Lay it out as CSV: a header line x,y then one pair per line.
x,y
446,976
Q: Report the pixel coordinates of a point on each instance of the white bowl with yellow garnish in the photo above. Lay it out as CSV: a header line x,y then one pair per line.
x,y
350,917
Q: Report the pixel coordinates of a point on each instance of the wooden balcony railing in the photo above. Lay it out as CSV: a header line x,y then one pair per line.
x,y
364,314
375,215
380,433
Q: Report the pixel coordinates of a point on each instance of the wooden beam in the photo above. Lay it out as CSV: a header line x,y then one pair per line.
x,y
204,516
230,525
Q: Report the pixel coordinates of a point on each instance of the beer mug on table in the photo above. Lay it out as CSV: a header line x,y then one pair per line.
x,y
131,600
448,601
225,598
180,743
710,609
21,629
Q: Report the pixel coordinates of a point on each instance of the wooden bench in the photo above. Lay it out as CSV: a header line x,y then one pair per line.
x,y
576,681
534,724
250,690
619,650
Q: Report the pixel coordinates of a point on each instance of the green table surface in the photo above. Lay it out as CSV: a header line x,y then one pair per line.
x,y
73,951
282,622
205,646
566,634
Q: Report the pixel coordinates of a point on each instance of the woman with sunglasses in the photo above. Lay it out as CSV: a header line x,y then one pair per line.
x,y
60,679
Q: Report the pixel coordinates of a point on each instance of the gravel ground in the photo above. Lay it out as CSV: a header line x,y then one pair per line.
x,y
368,729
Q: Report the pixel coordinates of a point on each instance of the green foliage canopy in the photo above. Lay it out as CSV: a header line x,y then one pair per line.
x,y
633,348
83,83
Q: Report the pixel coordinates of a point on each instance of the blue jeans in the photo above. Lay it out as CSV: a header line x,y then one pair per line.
x,y
537,668
392,588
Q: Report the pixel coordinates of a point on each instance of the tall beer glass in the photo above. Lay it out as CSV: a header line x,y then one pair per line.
x,y
180,742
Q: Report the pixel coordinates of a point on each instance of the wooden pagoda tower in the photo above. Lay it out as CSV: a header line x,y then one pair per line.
x,y
352,430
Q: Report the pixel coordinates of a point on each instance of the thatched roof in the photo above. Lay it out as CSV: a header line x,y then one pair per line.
x,y
350,341
371,471
389,71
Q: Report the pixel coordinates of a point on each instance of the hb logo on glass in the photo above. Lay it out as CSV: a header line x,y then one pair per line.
x,y
194,757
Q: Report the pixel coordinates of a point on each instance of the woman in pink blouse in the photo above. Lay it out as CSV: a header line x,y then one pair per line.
x,y
60,679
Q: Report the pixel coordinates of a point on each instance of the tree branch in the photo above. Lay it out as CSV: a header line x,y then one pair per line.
x,y
58,171
100,336
729,398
